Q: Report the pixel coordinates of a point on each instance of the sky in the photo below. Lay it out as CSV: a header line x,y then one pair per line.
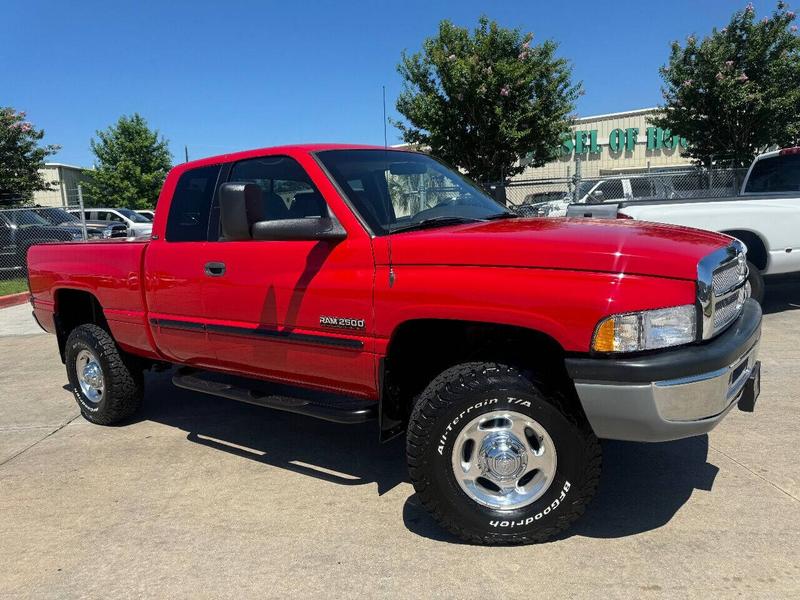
x,y
226,75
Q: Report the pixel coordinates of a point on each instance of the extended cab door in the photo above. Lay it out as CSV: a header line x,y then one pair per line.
x,y
298,312
175,269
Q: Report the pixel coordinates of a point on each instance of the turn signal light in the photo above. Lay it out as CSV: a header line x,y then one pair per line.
x,y
604,336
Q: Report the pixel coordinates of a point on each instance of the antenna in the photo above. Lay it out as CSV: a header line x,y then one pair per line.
x,y
388,196
385,143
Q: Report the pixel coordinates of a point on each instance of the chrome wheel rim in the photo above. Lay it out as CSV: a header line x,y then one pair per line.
x,y
90,376
504,460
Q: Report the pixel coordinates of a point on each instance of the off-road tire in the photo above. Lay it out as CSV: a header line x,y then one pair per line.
x,y
473,388
124,383
756,282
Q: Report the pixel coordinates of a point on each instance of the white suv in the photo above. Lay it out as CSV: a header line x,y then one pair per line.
x,y
138,225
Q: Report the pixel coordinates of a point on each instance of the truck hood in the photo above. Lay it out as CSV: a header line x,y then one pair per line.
x,y
607,245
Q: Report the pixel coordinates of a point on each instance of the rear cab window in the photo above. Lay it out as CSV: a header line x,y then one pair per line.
x,y
191,205
775,174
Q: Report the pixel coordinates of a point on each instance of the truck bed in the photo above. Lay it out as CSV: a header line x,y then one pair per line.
x,y
109,270
704,199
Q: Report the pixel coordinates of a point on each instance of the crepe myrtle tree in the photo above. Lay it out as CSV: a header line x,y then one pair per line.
x,y
21,157
483,100
132,162
736,92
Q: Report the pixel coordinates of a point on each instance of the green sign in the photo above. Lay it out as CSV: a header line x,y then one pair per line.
x,y
582,141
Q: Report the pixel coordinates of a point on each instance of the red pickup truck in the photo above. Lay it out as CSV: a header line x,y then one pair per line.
x,y
352,283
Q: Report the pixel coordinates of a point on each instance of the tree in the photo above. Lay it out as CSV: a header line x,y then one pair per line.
x,y
132,163
737,91
483,101
21,157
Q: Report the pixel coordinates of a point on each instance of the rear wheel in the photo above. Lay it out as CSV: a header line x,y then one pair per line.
x,y
497,458
106,383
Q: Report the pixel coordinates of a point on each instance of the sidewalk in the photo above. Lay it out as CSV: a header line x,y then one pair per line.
x,y
18,320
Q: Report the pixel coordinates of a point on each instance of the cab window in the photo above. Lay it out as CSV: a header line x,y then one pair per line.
x,y
776,174
287,191
191,205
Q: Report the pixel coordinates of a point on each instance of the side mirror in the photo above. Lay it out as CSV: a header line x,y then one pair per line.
x,y
306,229
597,196
239,207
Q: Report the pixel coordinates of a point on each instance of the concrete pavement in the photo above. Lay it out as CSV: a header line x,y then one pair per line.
x,y
203,497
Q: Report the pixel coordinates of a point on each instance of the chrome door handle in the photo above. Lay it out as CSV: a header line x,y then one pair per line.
x,y
215,269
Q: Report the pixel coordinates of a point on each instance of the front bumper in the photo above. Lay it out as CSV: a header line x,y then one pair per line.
x,y
674,393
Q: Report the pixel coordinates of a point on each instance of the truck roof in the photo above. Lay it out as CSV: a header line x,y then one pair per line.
x,y
289,148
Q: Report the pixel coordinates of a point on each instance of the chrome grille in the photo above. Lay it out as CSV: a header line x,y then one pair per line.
x,y
721,287
727,309
727,277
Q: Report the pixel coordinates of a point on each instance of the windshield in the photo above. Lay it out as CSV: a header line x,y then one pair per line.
x,y
394,190
26,217
132,215
57,216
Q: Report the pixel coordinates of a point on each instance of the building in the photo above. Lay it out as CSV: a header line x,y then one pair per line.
x,y
615,143
64,180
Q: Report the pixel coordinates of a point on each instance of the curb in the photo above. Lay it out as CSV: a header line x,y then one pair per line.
x,y
14,299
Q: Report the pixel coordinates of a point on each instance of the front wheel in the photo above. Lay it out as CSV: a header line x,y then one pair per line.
x,y
106,384
499,459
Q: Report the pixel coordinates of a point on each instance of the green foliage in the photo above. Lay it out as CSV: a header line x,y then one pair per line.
x,y
21,157
481,101
13,286
132,163
737,91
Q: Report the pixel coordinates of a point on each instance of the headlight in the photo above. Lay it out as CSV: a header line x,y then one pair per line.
x,y
106,233
646,330
76,235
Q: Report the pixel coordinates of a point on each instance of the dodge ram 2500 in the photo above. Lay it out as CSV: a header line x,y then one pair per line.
x,y
352,283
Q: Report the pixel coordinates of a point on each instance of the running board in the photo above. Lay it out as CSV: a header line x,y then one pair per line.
x,y
328,407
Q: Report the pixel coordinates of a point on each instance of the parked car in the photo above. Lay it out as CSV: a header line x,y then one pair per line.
x,y
765,215
94,229
138,226
147,214
533,204
612,189
22,228
503,346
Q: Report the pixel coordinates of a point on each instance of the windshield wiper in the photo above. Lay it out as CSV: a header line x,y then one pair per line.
x,y
436,222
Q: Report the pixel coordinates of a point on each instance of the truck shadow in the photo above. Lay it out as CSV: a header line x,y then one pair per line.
x,y
341,454
642,486
782,293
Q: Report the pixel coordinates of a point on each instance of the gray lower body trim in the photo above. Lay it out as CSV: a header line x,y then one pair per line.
x,y
665,410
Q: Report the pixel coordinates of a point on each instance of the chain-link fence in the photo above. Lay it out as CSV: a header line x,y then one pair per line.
x,y
24,226
550,197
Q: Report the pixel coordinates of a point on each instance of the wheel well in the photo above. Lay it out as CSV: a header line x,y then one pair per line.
x,y
421,349
73,308
756,249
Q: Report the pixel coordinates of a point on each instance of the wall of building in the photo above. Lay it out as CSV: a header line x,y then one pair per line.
x,y
613,143
63,180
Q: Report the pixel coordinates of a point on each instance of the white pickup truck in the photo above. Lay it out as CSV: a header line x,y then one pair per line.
x,y
765,215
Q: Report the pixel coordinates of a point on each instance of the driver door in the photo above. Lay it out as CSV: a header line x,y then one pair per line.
x,y
274,309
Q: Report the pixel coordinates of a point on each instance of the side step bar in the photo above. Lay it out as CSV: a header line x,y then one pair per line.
x,y
328,407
